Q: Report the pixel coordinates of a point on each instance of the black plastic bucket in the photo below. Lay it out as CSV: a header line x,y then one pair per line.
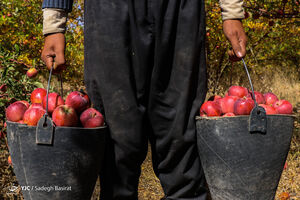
x,y
53,162
240,165
67,169
243,156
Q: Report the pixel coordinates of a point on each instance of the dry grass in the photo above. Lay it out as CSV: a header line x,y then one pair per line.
x,y
284,82
284,85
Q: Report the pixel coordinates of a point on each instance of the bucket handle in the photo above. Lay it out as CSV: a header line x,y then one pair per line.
x,y
258,116
45,126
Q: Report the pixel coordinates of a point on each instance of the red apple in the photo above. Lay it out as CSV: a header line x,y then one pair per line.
x,y
283,107
33,115
15,111
251,101
25,103
285,165
79,101
259,97
270,98
65,115
54,100
214,98
284,196
210,108
227,104
269,109
91,118
238,91
32,72
36,105
9,160
38,95
228,115
243,106
21,122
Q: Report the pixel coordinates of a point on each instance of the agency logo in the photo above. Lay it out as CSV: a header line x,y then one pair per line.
x,y
11,190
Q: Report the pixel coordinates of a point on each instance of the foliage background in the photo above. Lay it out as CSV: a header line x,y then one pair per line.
x,y
273,43
273,56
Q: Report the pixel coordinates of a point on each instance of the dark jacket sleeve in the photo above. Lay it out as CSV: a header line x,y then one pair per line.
x,y
62,4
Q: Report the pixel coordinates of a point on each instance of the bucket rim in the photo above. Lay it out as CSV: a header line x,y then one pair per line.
x,y
58,127
241,116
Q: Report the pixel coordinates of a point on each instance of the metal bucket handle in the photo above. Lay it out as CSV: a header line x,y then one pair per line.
x,y
45,127
258,116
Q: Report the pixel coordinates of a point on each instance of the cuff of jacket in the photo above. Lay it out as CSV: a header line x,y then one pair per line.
x,y
232,9
60,4
54,20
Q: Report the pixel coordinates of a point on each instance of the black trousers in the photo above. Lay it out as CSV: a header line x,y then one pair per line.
x,y
145,70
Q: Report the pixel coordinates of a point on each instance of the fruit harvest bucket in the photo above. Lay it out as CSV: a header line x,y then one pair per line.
x,y
243,156
56,162
239,165
71,163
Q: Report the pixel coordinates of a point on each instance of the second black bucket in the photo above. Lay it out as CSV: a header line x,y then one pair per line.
x,y
239,165
65,170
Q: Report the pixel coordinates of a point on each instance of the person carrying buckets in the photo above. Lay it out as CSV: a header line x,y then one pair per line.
x,y
145,70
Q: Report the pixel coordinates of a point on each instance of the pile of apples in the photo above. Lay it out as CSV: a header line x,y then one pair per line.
x,y
238,101
74,112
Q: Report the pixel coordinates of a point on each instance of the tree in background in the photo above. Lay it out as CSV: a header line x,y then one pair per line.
x,y
21,42
273,33
272,28
21,37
